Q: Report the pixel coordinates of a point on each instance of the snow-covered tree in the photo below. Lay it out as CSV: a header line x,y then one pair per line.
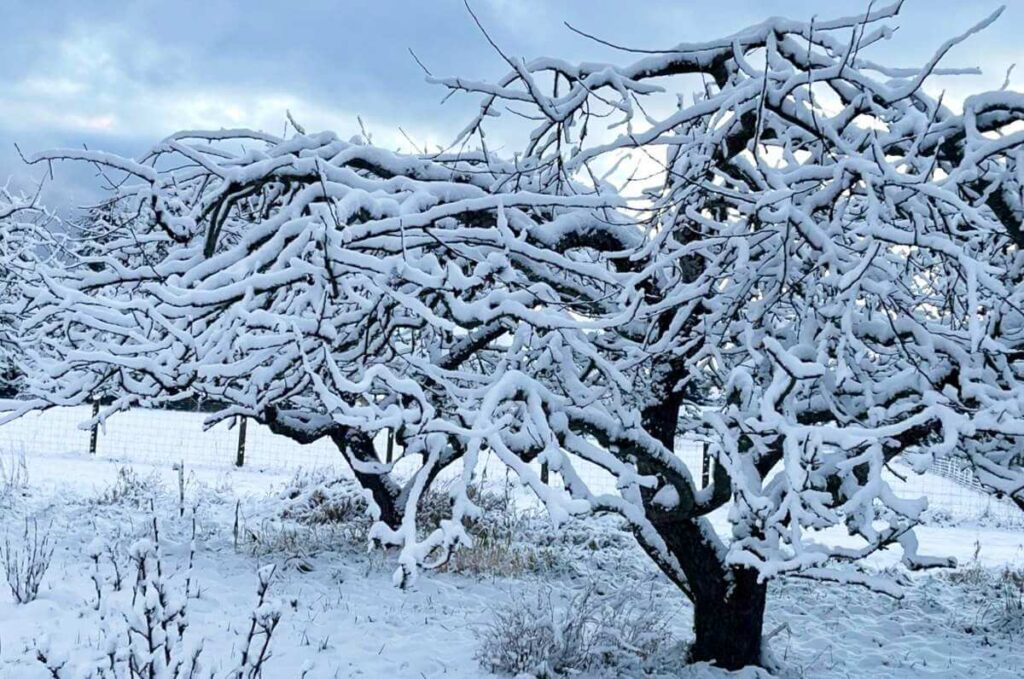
x,y
322,287
24,237
813,267
829,277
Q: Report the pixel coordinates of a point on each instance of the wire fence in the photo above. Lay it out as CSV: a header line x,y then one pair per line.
x,y
164,437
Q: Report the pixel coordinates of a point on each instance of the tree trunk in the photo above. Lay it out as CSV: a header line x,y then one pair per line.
x,y
354,445
359,447
728,602
728,622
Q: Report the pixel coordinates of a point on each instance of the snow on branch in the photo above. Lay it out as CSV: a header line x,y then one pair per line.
x,y
809,263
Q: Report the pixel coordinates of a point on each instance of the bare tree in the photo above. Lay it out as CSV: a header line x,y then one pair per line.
x,y
811,265
829,278
24,238
325,288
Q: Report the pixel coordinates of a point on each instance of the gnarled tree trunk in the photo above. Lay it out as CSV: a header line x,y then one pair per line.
x,y
728,621
728,601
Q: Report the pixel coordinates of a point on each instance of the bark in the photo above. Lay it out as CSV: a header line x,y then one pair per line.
x,y
728,623
355,446
359,447
728,601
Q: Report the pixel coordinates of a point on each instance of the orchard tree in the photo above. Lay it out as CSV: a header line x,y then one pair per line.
x,y
810,265
324,288
25,237
829,279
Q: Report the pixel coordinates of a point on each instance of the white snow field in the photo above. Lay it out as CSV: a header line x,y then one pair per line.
x,y
341,616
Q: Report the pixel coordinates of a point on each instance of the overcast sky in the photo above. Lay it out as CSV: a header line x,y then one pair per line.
x,y
121,75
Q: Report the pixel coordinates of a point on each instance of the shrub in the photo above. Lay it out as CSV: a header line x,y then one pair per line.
x,y
1006,610
129,488
152,638
317,497
13,476
26,562
625,631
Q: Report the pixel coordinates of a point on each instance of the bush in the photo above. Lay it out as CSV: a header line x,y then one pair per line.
x,y
1006,610
13,476
26,562
147,636
999,594
501,557
624,632
505,540
131,489
315,498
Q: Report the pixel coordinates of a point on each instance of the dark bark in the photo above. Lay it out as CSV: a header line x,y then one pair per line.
x,y
728,601
728,623
358,448
355,446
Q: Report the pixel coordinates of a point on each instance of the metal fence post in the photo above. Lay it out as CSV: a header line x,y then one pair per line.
x,y
390,453
95,435
240,456
705,467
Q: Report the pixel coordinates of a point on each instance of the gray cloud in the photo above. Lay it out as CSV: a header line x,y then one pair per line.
x,y
122,75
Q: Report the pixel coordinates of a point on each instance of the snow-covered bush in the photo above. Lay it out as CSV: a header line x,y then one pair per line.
x,y
264,619
145,630
1009,610
315,497
998,596
157,622
504,538
26,559
600,634
131,489
109,566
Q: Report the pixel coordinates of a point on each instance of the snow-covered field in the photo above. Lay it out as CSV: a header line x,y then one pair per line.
x,y
342,617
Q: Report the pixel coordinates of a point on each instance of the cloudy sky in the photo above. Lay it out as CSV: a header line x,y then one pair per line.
x,y
121,75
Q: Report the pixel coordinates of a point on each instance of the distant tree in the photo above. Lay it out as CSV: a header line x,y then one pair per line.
x,y
813,268
24,238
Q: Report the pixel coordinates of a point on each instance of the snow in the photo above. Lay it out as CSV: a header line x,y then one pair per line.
x,y
816,288
342,617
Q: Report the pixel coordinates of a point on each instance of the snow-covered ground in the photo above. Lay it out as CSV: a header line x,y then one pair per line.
x,y
342,617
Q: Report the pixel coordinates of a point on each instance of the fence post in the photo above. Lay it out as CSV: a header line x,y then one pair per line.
x,y
544,472
240,456
94,436
705,467
390,454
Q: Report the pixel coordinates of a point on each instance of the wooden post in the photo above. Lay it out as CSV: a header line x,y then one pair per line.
x,y
95,435
240,456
